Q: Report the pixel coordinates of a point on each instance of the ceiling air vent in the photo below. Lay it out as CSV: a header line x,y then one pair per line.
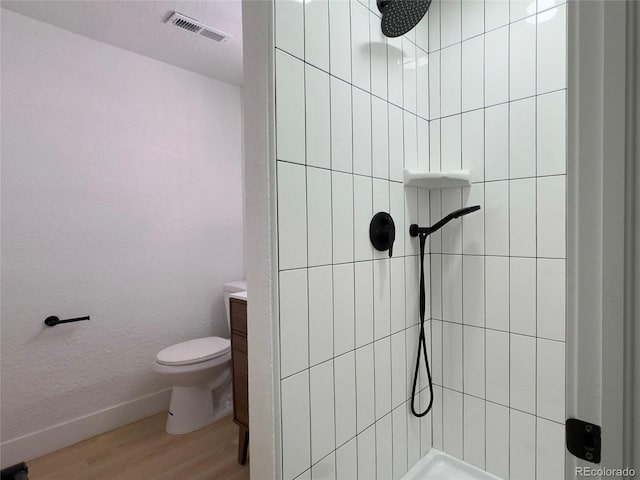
x,y
194,26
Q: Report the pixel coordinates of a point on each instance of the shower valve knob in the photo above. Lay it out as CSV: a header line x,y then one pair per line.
x,y
382,232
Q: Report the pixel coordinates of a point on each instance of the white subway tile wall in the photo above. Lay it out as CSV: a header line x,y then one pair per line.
x,y
479,84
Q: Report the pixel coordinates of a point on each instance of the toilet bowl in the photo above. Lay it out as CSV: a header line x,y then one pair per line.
x,y
196,368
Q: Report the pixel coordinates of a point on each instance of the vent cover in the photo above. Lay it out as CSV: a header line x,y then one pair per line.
x,y
194,26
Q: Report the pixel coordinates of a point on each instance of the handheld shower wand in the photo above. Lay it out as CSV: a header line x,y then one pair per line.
x,y
415,230
423,233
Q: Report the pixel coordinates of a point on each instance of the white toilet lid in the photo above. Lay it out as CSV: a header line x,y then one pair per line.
x,y
194,351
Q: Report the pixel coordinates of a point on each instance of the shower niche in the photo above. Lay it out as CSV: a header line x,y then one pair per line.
x,y
436,180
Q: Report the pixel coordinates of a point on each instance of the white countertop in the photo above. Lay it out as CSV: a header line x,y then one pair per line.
x,y
239,296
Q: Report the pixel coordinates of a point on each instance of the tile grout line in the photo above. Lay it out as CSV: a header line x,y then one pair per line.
x,y
462,245
304,42
355,341
509,223
484,177
275,81
373,300
449,322
441,245
333,309
535,159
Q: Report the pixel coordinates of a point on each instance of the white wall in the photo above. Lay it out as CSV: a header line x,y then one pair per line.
x,y
121,199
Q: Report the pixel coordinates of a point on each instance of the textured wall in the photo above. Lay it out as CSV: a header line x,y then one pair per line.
x,y
479,85
122,199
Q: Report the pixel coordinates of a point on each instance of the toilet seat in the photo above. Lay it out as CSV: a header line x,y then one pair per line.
x,y
194,351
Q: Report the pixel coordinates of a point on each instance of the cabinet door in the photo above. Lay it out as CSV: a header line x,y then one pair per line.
x,y
238,317
240,380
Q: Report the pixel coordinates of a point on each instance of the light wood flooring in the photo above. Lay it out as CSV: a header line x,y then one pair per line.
x,y
144,451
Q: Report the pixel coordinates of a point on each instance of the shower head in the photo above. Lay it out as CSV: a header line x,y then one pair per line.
x,y
415,230
400,16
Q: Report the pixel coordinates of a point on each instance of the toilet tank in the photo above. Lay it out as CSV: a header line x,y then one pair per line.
x,y
229,288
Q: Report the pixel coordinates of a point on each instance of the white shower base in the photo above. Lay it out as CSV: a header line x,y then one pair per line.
x,y
437,465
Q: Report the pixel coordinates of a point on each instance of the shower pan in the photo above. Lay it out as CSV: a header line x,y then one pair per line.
x,y
437,465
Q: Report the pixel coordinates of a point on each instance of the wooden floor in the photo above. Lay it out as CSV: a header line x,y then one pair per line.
x,y
144,451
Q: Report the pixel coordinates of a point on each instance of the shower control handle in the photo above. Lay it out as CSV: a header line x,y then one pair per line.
x,y
382,232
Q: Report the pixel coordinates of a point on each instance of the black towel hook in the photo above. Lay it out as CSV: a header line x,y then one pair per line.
x,y
52,321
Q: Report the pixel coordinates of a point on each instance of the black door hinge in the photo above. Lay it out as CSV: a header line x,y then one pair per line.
x,y
19,471
583,440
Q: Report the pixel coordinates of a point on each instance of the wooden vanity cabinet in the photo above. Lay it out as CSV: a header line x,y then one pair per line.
x,y
238,309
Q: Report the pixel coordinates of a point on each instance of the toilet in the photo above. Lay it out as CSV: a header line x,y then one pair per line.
x,y
197,369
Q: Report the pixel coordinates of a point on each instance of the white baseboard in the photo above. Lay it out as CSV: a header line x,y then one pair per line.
x,y
34,445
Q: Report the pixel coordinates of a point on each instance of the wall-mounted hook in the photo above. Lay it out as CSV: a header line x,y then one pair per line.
x,y
52,321
382,232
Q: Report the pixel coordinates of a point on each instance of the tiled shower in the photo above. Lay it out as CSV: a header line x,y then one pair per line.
x,y
478,85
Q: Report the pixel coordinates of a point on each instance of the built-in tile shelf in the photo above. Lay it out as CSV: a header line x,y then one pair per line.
x,y
436,180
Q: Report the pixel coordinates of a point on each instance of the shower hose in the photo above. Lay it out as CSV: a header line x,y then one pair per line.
x,y
422,342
